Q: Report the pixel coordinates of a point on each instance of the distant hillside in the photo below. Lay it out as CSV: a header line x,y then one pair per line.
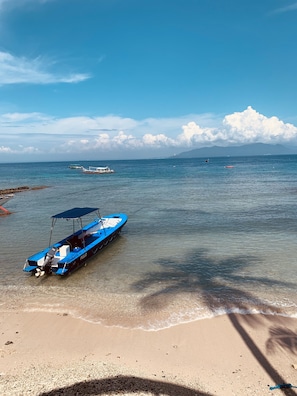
x,y
238,151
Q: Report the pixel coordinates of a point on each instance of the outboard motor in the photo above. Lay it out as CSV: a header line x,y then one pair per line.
x,y
45,268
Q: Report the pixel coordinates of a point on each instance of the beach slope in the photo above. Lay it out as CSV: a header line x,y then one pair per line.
x,y
55,354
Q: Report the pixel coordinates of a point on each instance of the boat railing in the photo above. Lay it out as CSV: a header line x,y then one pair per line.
x,y
64,267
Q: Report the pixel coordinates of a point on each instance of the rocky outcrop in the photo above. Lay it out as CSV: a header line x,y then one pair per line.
x,y
19,189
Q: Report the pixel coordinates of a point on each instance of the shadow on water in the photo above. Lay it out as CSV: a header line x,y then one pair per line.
x,y
127,384
211,279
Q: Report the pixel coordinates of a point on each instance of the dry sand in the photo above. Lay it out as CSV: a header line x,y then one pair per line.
x,y
55,354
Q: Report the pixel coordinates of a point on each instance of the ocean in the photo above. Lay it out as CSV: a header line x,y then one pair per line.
x,y
201,239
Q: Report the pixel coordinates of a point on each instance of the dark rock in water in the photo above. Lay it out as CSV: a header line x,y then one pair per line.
x,y
14,190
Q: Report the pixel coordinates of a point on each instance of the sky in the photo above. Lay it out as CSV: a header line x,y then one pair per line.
x,y
132,79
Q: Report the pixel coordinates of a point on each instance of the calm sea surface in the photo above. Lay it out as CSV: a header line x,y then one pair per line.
x,y
201,239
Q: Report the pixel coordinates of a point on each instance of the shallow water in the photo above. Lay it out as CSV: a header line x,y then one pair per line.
x,y
201,239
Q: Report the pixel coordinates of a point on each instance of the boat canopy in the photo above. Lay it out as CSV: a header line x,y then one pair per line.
x,y
74,213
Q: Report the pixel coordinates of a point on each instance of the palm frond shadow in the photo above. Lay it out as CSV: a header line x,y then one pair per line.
x,y
208,278
283,338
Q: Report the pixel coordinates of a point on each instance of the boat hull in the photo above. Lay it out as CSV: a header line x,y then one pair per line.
x,y
72,253
84,256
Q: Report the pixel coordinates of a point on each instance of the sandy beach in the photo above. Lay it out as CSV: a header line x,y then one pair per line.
x,y
55,354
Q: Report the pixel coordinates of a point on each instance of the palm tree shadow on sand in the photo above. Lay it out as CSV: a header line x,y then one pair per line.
x,y
210,279
200,274
123,385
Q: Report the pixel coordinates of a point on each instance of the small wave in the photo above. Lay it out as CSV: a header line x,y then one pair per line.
x,y
151,324
112,310
176,319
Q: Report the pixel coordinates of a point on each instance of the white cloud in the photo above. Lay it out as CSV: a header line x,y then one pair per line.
x,y
4,4
249,126
157,140
238,128
21,117
113,135
4,149
288,8
19,150
16,70
194,134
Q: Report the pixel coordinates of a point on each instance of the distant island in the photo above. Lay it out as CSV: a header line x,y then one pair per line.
x,y
238,151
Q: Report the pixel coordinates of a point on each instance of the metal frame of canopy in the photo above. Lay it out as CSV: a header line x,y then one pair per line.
x,y
72,214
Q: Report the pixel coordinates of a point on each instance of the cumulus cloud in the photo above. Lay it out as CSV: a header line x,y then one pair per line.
x,y
120,136
249,126
16,70
193,134
244,127
19,150
4,149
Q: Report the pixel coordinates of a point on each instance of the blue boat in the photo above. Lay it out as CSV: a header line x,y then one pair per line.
x,y
72,252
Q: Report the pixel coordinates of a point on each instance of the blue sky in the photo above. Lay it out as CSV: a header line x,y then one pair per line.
x,y
121,79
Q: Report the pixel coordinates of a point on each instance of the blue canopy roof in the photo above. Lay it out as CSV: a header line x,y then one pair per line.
x,y
74,213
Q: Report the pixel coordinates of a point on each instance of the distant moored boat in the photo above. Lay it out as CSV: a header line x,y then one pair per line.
x,y
99,170
75,166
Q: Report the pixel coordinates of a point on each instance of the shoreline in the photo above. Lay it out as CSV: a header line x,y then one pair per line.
x,y
226,355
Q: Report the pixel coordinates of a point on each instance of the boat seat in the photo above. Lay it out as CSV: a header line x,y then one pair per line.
x,y
74,242
64,251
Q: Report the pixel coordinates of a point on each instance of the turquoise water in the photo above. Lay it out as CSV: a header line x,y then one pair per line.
x,y
201,239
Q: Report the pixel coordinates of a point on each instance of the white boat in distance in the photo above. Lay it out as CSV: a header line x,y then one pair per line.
x,y
5,198
75,166
99,170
